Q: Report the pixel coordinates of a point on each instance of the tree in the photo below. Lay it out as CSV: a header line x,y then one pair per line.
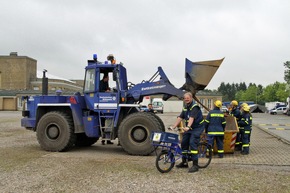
x,y
287,72
242,86
255,93
275,92
248,95
229,90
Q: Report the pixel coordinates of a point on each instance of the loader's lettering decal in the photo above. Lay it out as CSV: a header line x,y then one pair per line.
x,y
153,87
107,98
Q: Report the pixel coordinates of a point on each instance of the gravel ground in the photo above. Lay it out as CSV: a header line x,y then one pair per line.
x,y
24,167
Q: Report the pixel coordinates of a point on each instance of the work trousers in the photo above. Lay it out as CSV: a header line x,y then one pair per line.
x,y
239,138
190,142
219,142
246,140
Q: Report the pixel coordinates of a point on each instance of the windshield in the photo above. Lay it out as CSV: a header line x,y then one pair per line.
x,y
90,80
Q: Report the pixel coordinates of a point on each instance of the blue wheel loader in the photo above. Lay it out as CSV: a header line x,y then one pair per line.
x,y
62,122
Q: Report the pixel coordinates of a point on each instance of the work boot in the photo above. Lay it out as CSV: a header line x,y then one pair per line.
x,y
244,153
238,148
109,142
183,164
194,167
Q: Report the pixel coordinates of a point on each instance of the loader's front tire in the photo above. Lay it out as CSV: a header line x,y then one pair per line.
x,y
55,132
160,121
134,133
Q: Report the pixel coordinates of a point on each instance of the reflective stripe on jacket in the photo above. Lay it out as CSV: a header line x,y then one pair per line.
x,y
192,110
245,121
215,122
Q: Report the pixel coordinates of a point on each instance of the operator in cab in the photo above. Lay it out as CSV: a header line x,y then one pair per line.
x,y
193,117
104,84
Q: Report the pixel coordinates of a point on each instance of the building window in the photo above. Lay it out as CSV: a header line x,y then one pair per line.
x,y
209,105
202,102
19,101
35,88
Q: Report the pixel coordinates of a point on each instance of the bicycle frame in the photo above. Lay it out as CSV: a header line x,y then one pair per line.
x,y
177,151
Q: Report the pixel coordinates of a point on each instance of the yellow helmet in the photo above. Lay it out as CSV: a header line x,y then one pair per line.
x,y
234,103
246,108
243,104
218,103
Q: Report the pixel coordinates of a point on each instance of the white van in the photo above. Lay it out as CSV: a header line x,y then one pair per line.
x,y
157,104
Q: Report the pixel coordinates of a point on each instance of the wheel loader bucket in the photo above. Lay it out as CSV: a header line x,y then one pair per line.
x,y
199,74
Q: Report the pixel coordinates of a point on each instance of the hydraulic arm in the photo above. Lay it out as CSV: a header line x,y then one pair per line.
x,y
197,77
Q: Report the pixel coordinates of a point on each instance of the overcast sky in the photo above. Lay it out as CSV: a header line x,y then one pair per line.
x,y
252,35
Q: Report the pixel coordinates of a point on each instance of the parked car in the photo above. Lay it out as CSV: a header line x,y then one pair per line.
x,y
279,110
158,105
285,112
143,108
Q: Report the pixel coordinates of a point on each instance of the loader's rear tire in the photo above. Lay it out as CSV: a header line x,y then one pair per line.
x,y
134,133
55,132
85,141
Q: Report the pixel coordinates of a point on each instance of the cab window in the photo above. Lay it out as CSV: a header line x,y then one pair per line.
x,y
90,80
107,84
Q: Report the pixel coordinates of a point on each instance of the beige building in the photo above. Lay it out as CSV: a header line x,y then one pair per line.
x,y
17,72
19,77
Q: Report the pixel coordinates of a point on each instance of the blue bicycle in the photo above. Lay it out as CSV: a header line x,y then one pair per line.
x,y
171,151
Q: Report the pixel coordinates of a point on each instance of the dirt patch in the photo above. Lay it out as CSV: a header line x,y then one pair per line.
x,y
24,167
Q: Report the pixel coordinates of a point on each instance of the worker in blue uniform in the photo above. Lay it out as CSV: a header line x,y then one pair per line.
x,y
215,124
246,123
194,127
235,112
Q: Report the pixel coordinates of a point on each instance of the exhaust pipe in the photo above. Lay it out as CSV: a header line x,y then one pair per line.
x,y
44,83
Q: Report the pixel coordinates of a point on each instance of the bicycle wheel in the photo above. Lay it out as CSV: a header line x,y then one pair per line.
x,y
165,161
204,155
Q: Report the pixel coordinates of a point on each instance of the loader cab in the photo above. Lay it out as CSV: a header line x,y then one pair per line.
x,y
94,78
96,96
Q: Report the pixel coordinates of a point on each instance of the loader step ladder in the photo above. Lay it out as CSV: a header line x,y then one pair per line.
x,y
107,125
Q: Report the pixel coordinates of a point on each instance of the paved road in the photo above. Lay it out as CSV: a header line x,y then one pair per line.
x,y
277,125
